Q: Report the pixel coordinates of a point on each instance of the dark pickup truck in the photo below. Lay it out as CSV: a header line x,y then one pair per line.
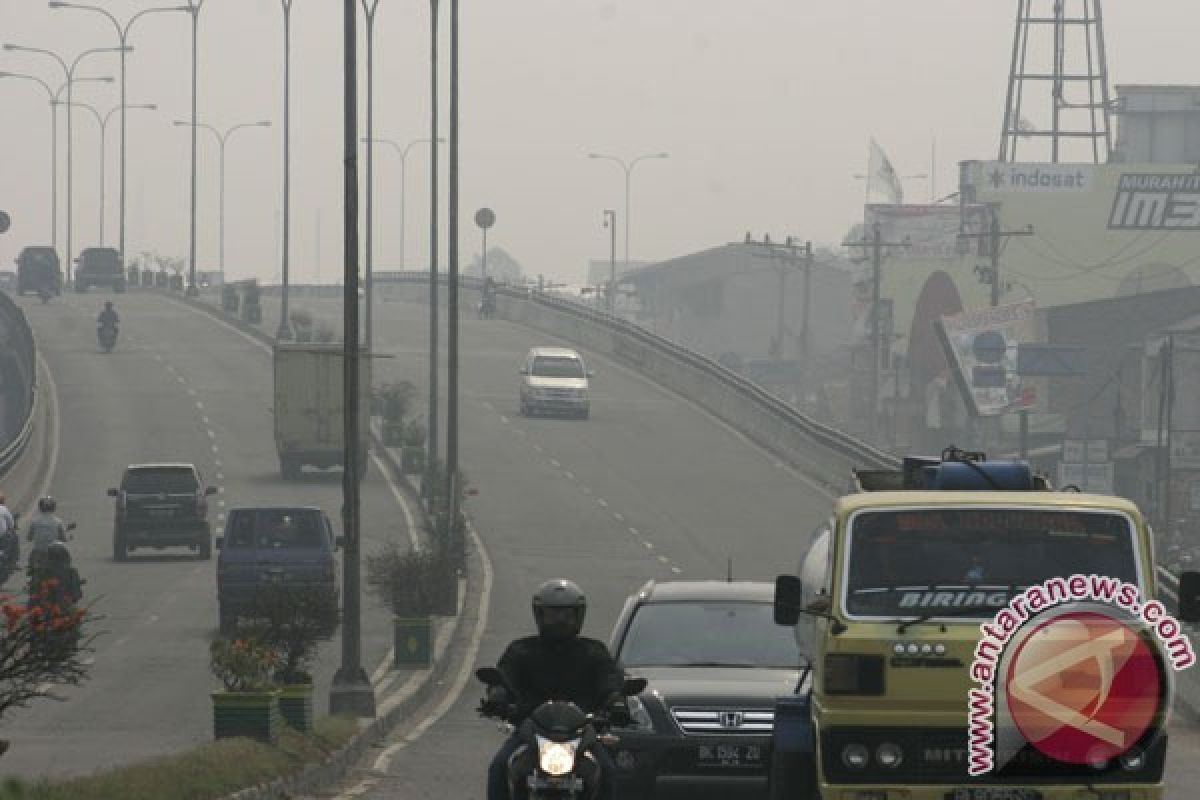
x,y
162,505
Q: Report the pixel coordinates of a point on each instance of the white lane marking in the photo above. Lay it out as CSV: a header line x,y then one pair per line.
x,y
157,357
677,570
634,531
554,463
180,378
537,448
586,490
192,392
649,545
217,463
216,449
220,476
618,516
205,421
399,495
221,503
153,619
504,419
212,435
55,423
570,475
602,502
664,559
199,405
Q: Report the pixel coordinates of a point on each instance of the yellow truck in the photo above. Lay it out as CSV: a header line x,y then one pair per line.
x,y
890,605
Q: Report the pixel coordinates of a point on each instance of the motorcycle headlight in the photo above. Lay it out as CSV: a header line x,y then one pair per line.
x,y
556,758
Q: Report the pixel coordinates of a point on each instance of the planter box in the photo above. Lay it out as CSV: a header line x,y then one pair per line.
x,y
296,706
412,459
393,433
254,715
413,642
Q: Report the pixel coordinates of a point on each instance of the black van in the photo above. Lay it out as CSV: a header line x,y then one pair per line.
x,y
99,266
38,268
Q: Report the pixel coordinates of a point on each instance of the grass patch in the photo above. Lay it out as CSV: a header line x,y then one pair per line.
x,y
210,771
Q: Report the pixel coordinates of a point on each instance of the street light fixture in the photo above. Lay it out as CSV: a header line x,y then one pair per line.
x,y
284,332
123,38
53,98
222,137
403,153
628,168
69,75
102,121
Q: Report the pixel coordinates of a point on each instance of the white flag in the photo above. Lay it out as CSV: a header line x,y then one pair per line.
x,y
882,177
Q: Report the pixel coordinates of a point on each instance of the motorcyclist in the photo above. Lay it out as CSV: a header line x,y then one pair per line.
x,y
67,589
108,317
10,543
556,664
44,529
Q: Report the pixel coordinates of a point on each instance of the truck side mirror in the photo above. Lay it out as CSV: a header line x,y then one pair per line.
x,y
1189,597
788,592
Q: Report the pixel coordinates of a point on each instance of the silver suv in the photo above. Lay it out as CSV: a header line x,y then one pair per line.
x,y
554,379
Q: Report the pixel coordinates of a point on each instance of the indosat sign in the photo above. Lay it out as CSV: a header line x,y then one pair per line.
x,y
1000,176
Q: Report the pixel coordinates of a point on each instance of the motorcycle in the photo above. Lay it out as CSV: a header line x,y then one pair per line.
x,y
553,760
487,307
10,550
106,335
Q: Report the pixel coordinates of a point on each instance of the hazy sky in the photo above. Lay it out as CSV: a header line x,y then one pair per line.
x,y
765,106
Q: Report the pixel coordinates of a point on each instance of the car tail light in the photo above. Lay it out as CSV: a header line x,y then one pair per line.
x,y
847,673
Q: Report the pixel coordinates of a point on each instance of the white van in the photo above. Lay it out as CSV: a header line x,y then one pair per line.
x,y
555,380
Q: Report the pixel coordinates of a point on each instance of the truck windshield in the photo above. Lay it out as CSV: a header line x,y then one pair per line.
x,y
909,563
557,367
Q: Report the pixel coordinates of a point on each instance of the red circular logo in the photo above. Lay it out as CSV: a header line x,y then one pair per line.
x,y
1084,687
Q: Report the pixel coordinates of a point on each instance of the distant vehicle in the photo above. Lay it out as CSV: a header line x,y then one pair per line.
x,y
308,407
273,545
38,268
715,662
106,336
161,505
554,380
99,266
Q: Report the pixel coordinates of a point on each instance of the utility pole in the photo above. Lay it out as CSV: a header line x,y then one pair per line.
x,y
991,274
610,222
876,245
789,253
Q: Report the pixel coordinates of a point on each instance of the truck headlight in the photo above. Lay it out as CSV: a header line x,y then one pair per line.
x,y
556,758
855,756
889,755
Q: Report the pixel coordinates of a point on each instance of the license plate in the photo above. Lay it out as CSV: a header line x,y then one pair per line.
x,y
993,793
729,755
162,512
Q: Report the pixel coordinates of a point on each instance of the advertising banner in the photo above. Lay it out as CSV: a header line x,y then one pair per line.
x,y
981,345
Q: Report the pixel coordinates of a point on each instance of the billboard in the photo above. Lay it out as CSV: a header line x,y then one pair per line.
x,y
981,346
930,230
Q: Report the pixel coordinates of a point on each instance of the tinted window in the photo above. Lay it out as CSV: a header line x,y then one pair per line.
x,y
708,634
906,561
172,480
276,528
557,367
100,259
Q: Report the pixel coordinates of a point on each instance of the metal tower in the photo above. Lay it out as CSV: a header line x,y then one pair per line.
x,y
1070,35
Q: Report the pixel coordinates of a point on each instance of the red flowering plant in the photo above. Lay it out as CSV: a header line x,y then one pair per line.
x,y
43,645
243,664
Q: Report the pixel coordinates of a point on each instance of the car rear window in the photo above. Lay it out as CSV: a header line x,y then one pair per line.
x,y
276,528
172,480
101,259
708,634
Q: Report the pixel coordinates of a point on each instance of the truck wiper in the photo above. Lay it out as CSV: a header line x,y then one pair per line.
x,y
963,611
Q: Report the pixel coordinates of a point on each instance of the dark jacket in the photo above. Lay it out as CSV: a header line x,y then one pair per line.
x,y
580,670
108,318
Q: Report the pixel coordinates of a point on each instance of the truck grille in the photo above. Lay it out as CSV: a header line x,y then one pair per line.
x,y
724,721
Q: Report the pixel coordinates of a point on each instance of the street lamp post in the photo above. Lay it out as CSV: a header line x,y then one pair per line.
x,y
403,153
102,121
369,9
628,168
193,7
431,441
53,98
123,37
284,332
222,138
69,75
610,222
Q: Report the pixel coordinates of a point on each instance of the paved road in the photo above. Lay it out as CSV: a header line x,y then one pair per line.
x,y
179,386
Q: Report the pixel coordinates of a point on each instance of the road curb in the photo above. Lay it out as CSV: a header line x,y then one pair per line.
x,y
27,479
411,694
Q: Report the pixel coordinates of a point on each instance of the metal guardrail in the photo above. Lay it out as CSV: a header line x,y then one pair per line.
x,y
850,447
16,339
